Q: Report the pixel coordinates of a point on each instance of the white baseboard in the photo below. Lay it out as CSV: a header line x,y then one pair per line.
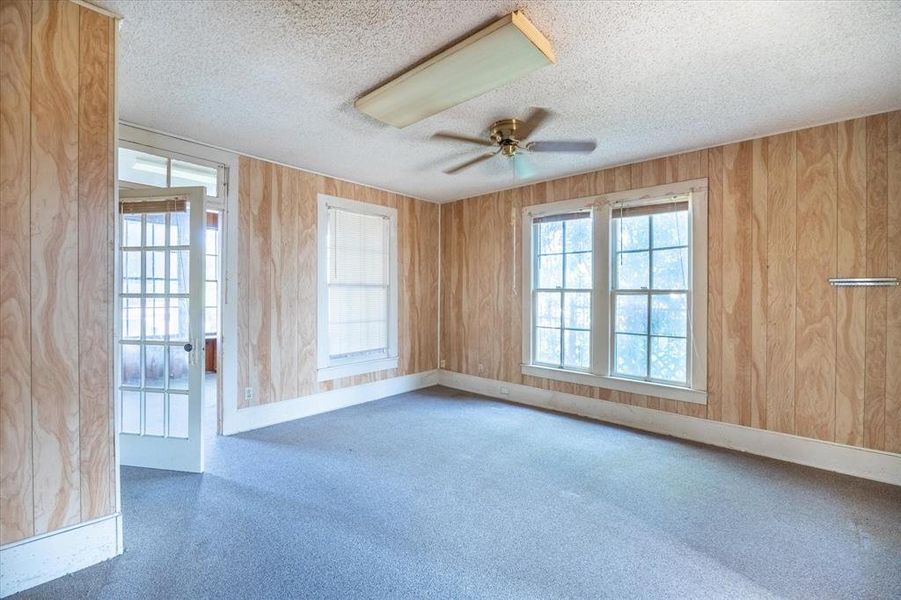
x,y
273,413
39,559
850,460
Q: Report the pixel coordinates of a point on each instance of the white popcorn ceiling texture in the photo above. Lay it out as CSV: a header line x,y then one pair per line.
x,y
277,79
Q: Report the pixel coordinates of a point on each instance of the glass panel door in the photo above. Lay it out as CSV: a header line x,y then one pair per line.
x,y
160,365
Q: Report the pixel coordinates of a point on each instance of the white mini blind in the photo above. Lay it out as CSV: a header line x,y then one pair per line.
x,y
358,282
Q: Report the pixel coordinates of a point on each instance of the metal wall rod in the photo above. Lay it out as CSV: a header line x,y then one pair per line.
x,y
863,281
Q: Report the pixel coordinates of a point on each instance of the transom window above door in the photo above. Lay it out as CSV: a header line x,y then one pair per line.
x,y
612,283
142,166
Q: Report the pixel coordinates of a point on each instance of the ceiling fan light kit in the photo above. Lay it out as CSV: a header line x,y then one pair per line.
x,y
492,57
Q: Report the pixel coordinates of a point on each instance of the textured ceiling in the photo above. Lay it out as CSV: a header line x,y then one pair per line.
x,y
278,79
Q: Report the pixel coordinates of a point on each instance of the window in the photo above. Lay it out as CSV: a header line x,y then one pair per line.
x,y
357,282
612,283
211,289
155,168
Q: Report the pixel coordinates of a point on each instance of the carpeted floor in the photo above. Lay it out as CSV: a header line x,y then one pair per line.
x,y
440,494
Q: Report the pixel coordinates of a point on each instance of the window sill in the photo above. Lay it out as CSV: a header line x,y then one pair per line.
x,y
658,390
355,368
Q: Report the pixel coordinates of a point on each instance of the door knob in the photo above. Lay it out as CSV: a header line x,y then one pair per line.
x,y
189,347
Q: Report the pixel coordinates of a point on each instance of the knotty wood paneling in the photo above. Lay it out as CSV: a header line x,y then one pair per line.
x,y
16,499
57,149
786,351
277,281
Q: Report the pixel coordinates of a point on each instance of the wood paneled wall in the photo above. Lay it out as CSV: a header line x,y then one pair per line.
x,y
786,351
277,281
57,128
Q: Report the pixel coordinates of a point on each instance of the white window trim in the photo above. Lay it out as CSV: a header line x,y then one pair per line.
x,y
332,369
599,376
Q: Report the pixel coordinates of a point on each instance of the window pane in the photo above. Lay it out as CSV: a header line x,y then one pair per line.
x,y
212,267
578,271
189,174
671,269
669,314
632,271
577,310
179,271
211,292
180,229
358,249
131,365
358,319
143,168
632,314
210,320
578,235
668,359
550,237
131,318
577,349
631,233
547,346
212,241
547,309
670,229
550,271
631,355
131,271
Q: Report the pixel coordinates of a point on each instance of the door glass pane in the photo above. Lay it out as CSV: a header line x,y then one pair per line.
x,y
669,359
156,271
131,365
179,229
154,366
178,415
139,167
211,319
154,413
131,318
178,368
576,349
547,345
178,319
131,412
179,267
131,230
632,314
131,272
156,229
189,174
155,318
631,355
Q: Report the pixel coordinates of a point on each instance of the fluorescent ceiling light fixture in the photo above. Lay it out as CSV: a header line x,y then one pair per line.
x,y
491,57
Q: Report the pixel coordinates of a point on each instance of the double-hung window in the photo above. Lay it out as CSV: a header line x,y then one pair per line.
x,y
357,288
618,291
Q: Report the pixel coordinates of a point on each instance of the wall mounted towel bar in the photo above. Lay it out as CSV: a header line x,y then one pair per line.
x,y
863,281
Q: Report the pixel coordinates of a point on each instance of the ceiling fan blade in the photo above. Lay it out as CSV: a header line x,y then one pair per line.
x,y
461,138
522,167
469,163
532,122
584,147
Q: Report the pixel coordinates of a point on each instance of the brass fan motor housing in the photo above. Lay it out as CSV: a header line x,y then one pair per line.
x,y
503,133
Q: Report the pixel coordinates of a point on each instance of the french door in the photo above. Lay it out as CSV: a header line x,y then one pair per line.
x,y
160,328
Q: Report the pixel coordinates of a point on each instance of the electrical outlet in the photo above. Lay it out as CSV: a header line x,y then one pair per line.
x,y
505,390
441,363
481,368
248,393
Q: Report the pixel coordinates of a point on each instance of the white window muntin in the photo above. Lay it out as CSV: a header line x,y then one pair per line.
x,y
331,367
601,345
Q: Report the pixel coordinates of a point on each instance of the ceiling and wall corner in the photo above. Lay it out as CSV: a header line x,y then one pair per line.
x,y
278,79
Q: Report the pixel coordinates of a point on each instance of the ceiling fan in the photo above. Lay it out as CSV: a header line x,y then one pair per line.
x,y
509,137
